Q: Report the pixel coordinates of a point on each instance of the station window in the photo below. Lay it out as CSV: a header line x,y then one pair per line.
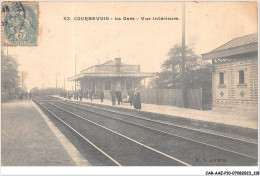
x,y
108,85
221,78
241,77
129,84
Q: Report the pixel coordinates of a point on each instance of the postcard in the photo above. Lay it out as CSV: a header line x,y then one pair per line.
x,y
121,83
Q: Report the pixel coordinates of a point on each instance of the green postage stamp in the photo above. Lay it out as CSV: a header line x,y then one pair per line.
x,y
19,23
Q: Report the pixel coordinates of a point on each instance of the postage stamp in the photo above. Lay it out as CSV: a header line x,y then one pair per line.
x,y
19,23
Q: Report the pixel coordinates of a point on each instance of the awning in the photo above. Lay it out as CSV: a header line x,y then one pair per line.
x,y
111,75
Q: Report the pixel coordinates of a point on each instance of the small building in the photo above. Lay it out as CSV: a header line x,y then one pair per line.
x,y
109,75
235,74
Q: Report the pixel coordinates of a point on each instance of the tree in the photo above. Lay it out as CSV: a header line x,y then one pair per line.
x,y
198,75
9,70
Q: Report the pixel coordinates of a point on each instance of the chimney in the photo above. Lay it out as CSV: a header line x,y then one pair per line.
x,y
118,64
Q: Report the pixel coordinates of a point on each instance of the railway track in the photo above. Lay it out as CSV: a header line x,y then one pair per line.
x,y
154,142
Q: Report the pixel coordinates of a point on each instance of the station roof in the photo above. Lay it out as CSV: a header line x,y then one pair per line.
x,y
111,75
111,69
239,45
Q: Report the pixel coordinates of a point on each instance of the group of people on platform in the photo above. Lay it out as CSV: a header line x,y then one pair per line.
x,y
134,97
116,95
77,95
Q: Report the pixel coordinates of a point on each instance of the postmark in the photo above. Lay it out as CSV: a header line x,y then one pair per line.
x,y
19,23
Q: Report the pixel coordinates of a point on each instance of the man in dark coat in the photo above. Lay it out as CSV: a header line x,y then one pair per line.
x,y
131,97
86,94
77,95
137,103
80,95
102,96
118,96
74,93
71,94
91,94
113,96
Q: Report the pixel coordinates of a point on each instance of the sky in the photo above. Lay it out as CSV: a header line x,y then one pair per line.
x,y
60,42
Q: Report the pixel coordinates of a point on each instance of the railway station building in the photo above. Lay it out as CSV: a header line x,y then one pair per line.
x,y
109,75
235,75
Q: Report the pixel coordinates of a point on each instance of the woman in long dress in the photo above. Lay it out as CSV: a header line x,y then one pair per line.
x,y
137,99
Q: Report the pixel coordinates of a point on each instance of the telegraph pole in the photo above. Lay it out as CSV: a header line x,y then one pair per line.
x,y
22,87
73,47
184,88
64,84
22,80
75,73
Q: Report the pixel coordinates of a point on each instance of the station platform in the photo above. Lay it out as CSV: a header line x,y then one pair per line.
x,y
29,138
228,118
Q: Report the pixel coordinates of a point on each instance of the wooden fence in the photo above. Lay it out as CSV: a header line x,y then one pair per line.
x,y
172,97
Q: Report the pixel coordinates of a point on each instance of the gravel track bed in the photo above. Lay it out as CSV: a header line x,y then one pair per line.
x,y
122,150
184,150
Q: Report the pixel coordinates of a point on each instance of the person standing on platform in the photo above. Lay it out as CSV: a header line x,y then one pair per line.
x,y
70,94
131,97
102,96
91,94
80,95
137,102
74,94
118,96
77,95
113,96
86,94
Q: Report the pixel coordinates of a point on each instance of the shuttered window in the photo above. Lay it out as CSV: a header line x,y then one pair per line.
x,y
221,78
241,77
